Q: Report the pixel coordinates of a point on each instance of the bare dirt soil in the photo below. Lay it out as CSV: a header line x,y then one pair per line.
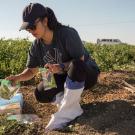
x,y
109,109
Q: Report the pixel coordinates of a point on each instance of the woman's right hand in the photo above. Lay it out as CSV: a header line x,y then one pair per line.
x,y
13,79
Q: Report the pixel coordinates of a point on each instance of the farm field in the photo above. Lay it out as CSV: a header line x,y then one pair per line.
x,y
109,109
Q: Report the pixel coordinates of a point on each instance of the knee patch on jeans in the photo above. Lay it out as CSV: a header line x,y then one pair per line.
x,y
45,96
40,97
77,71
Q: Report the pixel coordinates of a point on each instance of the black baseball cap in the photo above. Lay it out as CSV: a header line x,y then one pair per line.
x,y
32,12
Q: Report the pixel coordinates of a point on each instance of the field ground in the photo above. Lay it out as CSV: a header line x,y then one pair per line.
x,y
109,109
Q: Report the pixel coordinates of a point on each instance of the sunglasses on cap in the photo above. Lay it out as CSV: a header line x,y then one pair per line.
x,y
33,26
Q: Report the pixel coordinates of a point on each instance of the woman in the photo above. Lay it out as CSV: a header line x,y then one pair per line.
x,y
60,50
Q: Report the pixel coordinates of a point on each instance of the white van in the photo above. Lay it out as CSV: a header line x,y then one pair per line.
x,y
108,41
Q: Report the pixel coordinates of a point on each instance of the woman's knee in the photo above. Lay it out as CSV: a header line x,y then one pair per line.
x,y
91,79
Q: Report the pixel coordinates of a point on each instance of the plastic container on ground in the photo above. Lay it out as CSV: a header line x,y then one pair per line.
x,y
12,106
18,98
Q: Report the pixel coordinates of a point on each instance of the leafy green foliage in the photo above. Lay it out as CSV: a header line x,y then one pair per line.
x,y
112,57
13,127
13,56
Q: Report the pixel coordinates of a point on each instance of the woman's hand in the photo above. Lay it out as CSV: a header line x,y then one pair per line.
x,y
13,79
54,68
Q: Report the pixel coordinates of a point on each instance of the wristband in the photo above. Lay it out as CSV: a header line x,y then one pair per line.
x,y
62,66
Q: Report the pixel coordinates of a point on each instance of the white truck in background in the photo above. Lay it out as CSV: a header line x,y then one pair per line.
x,y
108,41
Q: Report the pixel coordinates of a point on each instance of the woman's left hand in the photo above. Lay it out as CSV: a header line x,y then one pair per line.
x,y
54,68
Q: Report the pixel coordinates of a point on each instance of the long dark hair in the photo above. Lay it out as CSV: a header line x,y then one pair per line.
x,y
53,23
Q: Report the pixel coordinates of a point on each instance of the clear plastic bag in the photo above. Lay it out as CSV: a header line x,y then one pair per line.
x,y
48,79
24,118
7,90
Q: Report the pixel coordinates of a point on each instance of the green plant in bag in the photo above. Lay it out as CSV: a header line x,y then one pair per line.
x,y
48,78
4,92
7,91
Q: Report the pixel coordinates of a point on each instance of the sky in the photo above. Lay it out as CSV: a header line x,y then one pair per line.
x,y
92,19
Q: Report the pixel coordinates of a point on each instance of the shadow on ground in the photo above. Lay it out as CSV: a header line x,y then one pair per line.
x,y
117,116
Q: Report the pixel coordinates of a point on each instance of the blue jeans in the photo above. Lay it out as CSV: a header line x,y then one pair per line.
x,y
78,71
